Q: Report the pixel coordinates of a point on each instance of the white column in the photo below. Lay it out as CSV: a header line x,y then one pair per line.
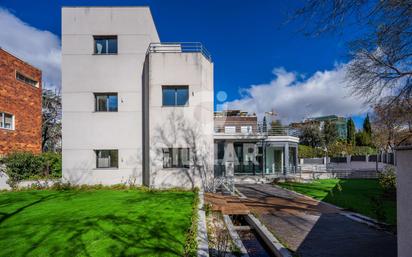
x,y
286,169
229,159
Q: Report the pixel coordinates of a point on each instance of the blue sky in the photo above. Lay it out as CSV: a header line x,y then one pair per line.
x,y
247,40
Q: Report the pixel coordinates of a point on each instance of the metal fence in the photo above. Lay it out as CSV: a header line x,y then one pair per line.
x,y
255,129
179,47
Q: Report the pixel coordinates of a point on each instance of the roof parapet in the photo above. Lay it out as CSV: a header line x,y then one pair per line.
x,y
179,47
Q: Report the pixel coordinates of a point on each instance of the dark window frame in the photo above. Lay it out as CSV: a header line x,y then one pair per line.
x,y
175,88
26,79
96,102
175,164
110,162
105,37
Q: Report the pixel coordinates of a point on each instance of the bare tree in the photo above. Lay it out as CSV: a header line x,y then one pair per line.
x,y
51,126
392,125
382,55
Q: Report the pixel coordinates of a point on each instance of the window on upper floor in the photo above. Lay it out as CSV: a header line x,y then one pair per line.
x,y
175,95
246,129
27,80
105,102
176,157
107,159
6,120
105,44
230,129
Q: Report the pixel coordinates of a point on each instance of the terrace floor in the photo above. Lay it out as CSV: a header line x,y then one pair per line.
x,y
311,228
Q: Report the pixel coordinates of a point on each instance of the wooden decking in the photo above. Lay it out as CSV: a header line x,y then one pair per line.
x,y
228,205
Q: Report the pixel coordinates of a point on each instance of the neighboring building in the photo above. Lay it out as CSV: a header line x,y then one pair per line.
x,y
133,111
20,105
340,123
243,146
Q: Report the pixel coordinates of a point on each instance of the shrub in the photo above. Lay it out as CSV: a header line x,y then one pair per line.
x,y
25,165
190,247
310,152
387,180
52,164
363,150
22,165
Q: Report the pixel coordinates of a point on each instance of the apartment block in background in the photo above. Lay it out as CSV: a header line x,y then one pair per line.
x,y
20,105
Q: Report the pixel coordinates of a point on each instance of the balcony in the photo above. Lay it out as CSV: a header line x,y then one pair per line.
x,y
253,131
179,47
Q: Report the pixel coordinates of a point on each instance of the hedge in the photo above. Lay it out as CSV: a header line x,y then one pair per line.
x,y
25,165
335,150
305,151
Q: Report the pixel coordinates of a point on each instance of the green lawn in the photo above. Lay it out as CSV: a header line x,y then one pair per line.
x,y
353,194
94,223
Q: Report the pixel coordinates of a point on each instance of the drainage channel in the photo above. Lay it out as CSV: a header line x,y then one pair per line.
x,y
252,241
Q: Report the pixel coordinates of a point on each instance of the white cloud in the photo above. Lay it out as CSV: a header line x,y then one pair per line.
x,y
38,47
294,97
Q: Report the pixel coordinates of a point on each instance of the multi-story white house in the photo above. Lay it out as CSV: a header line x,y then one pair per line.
x,y
139,111
133,111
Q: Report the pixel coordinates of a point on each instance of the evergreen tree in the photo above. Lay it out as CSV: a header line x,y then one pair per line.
x,y
367,126
351,131
264,125
330,132
311,136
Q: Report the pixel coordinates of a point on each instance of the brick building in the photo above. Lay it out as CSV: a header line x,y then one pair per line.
x,y
20,105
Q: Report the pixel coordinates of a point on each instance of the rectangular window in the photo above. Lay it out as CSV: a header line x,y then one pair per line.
x,y
105,44
6,120
27,80
230,129
105,102
246,129
176,157
107,159
175,95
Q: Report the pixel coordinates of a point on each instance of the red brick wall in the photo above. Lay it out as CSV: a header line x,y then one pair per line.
x,y
24,102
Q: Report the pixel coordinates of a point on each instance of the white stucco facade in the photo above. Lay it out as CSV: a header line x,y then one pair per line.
x,y
189,126
136,75
84,73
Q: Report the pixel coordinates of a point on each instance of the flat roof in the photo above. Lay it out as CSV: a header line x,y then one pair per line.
x,y
108,6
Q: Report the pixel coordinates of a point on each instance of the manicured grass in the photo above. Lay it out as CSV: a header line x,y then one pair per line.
x,y
94,223
353,194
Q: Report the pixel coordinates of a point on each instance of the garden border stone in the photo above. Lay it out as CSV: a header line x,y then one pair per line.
x,y
202,239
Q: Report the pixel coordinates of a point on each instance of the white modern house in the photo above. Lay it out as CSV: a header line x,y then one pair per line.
x,y
139,111
133,111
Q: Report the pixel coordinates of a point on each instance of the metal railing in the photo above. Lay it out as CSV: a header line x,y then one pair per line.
x,y
257,129
179,47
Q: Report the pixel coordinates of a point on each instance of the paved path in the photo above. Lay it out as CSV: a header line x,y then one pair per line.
x,y
314,229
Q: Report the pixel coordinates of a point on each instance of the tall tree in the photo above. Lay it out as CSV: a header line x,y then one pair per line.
x,y
330,133
265,125
367,125
51,127
351,131
381,55
311,136
391,126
